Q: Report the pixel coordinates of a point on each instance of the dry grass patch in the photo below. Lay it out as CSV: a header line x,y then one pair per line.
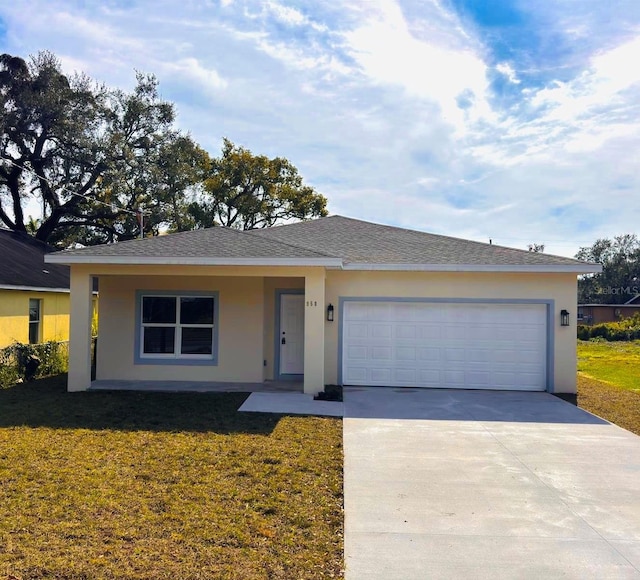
x,y
142,485
615,404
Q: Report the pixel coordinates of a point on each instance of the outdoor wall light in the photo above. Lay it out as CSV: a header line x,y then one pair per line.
x,y
330,313
564,318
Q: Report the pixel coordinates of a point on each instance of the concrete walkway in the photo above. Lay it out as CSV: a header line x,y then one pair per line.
x,y
473,484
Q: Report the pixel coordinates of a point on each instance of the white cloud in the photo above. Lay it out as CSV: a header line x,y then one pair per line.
x,y
388,53
190,69
286,14
385,107
507,70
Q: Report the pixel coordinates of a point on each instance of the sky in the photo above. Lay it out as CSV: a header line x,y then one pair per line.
x,y
513,120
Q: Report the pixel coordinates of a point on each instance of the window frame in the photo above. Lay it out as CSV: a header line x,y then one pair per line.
x,y
175,358
36,323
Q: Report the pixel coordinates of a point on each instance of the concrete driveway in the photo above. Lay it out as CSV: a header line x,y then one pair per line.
x,y
486,484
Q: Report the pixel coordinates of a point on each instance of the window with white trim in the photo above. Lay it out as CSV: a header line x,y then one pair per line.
x,y
35,314
177,326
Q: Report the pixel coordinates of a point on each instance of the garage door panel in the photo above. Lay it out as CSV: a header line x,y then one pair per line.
x,y
477,380
356,353
480,332
406,331
524,356
454,377
529,333
406,353
381,376
381,311
381,331
429,377
405,376
475,355
356,375
355,330
455,355
445,345
429,354
405,312
505,355
457,332
378,353
429,332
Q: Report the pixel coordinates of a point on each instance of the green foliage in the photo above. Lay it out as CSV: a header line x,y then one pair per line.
x,y
9,375
119,150
53,358
619,280
625,329
247,191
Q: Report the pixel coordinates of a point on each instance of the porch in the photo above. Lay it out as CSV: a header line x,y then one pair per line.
x,y
197,386
263,329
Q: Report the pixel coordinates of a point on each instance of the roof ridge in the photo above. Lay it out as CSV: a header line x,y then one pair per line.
x,y
296,246
446,237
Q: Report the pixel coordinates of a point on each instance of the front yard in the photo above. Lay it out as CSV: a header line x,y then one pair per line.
x,y
141,485
609,381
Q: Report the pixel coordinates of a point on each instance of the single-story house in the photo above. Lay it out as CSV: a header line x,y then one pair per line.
x,y
328,301
34,296
591,314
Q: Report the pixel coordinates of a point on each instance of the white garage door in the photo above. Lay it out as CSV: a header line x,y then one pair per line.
x,y
445,345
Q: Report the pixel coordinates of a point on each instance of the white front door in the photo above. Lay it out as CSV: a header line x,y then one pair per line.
x,y
291,339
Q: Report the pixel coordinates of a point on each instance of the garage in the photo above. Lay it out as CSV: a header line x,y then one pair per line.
x,y
454,345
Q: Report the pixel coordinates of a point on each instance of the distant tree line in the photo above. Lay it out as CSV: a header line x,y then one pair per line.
x,y
92,156
619,280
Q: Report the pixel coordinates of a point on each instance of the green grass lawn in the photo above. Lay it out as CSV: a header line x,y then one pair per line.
x,y
609,381
617,363
181,486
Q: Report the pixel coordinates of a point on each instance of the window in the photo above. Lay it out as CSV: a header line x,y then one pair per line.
x,y
178,326
35,311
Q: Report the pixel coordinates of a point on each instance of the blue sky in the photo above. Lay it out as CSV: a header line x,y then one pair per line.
x,y
515,121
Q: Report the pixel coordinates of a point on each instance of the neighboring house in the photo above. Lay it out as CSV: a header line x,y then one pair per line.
x,y
591,314
328,301
34,296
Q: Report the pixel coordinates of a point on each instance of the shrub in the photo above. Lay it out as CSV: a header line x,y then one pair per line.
x,y
18,361
625,329
584,332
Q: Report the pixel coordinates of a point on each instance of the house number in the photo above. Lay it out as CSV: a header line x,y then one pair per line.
x,y
312,303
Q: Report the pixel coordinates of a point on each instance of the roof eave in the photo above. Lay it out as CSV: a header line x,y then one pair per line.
x,y
537,268
33,288
61,258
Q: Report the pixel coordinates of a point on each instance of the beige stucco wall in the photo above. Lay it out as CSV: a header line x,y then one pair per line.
x,y
247,313
14,316
561,288
240,334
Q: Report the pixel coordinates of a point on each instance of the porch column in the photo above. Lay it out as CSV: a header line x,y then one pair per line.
x,y
314,309
80,311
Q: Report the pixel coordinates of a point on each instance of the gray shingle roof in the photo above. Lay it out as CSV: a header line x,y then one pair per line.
x,y
212,242
358,241
339,238
22,263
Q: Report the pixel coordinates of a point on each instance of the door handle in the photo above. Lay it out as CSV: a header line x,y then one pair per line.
x,y
284,340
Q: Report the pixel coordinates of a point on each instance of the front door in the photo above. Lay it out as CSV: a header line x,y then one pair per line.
x,y
291,338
